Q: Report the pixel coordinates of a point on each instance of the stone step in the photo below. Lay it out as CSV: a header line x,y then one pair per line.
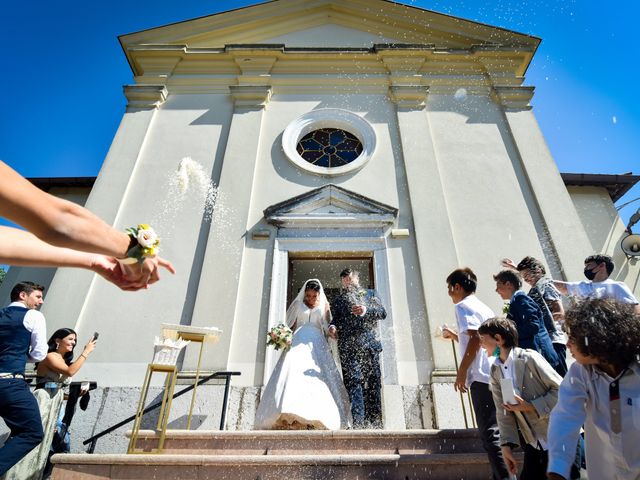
x,y
467,466
312,442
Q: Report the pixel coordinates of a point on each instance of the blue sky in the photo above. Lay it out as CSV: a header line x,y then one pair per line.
x,y
63,71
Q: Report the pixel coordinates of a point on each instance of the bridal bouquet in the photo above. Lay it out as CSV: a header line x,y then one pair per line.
x,y
280,337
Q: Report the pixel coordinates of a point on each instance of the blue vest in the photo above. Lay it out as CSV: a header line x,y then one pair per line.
x,y
15,340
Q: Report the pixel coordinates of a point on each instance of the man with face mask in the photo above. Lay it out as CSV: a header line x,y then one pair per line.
x,y
597,269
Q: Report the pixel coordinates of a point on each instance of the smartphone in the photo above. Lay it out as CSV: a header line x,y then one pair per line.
x,y
95,335
508,393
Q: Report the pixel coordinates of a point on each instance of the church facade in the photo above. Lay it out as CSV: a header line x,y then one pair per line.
x,y
361,133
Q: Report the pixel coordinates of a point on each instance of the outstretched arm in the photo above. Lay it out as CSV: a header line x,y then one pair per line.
x,y
561,286
54,220
21,248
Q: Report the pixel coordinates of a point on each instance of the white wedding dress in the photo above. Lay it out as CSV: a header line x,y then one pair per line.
x,y
305,389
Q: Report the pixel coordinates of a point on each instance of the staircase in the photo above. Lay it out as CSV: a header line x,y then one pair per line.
x,y
266,455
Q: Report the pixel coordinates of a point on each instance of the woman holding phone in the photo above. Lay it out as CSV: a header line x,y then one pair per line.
x,y
52,374
525,390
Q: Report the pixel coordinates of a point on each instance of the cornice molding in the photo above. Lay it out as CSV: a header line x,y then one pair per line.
x,y
250,96
514,98
409,96
158,66
256,70
367,70
145,96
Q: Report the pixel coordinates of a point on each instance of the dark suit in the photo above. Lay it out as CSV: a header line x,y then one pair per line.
x,y
359,350
532,334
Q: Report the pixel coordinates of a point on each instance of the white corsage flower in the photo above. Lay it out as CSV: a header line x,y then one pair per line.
x,y
147,237
147,243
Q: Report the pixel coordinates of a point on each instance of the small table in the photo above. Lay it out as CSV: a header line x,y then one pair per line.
x,y
167,397
193,334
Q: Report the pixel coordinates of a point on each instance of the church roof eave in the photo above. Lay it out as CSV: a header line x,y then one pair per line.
x,y
450,31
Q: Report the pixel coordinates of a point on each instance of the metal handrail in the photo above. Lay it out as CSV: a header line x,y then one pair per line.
x,y
226,375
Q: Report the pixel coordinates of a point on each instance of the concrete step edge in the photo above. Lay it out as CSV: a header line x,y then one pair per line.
x,y
316,434
238,460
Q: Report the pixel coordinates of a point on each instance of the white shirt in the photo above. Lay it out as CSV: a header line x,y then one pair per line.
x,y
584,399
606,289
470,314
34,322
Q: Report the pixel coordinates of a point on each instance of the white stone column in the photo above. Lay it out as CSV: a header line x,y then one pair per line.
x,y
561,226
434,237
70,289
218,288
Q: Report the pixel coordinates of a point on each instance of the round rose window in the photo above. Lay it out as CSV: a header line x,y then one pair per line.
x,y
329,141
329,147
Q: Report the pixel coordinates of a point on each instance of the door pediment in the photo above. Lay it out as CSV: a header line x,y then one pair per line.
x,y
331,206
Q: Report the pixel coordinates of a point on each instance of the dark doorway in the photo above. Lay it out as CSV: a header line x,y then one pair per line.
x,y
326,267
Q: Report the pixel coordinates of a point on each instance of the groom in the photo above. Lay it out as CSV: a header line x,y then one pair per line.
x,y
354,325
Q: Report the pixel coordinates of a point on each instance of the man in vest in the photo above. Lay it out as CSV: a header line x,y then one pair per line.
x,y
22,339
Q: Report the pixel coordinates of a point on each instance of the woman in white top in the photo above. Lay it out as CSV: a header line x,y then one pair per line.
x,y
305,390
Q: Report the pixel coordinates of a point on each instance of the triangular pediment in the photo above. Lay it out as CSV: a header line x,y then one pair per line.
x,y
330,206
300,23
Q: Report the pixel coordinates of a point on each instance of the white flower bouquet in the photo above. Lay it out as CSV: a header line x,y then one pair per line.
x,y
280,337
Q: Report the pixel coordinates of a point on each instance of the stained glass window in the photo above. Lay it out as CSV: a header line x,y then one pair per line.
x,y
329,147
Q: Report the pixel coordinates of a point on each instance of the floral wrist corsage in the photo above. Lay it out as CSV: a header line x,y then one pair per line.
x,y
144,243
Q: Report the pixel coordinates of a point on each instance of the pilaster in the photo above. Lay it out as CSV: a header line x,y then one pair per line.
x,y
434,236
563,233
223,258
71,289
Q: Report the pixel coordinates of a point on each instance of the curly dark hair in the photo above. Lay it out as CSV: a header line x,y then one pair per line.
x,y
531,264
606,329
598,259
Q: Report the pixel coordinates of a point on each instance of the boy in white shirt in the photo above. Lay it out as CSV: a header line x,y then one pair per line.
x,y
473,372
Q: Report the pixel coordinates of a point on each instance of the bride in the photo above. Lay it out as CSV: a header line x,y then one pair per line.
x,y
305,390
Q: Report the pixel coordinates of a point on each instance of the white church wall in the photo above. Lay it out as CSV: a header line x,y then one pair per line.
x,y
184,126
480,182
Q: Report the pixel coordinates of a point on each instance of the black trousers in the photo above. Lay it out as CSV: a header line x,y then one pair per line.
x,y
485,411
19,410
535,463
361,375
